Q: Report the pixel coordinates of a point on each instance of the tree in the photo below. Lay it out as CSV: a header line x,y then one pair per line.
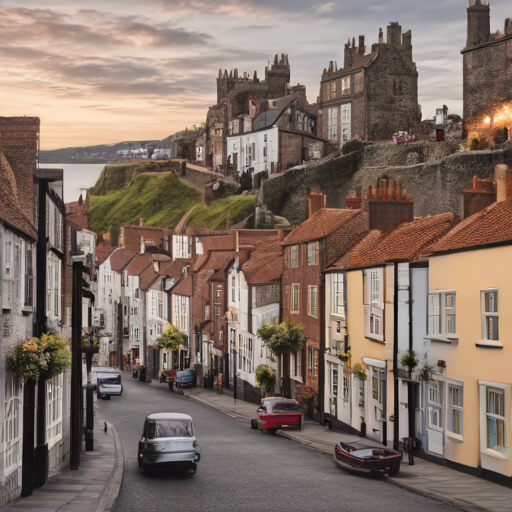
x,y
171,339
265,377
283,340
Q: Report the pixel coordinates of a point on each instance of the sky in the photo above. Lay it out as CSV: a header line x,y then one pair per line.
x,y
106,71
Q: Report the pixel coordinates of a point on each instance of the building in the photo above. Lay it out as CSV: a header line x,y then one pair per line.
x,y
278,134
233,95
138,238
308,250
468,401
487,75
375,94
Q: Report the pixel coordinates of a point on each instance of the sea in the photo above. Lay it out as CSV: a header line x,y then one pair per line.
x,y
76,178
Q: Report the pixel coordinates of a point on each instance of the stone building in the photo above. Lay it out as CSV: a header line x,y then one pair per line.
x,y
375,94
233,95
487,76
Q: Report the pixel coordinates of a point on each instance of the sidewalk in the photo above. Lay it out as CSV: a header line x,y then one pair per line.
x,y
434,481
92,488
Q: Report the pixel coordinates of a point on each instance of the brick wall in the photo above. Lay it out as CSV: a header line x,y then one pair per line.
x,y
267,294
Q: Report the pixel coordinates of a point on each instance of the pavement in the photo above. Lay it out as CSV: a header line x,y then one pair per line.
x,y
92,488
434,481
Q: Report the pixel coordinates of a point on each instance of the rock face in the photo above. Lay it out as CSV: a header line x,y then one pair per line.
x,y
435,181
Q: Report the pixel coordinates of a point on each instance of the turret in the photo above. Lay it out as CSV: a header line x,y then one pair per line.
x,y
479,22
278,77
394,34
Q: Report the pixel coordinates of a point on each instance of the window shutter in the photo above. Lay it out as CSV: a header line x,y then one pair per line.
x,y
433,314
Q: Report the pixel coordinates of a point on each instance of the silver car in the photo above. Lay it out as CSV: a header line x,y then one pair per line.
x,y
168,440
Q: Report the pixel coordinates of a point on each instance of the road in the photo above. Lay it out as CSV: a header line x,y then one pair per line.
x,y
241,469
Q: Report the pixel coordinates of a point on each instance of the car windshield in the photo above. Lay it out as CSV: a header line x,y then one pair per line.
x,y
110,379
284,406
169,428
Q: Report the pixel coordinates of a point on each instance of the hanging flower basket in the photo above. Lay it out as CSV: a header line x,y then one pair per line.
x,y
90,345
39,358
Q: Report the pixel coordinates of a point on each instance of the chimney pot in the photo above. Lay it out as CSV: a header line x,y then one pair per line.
x,y
503,177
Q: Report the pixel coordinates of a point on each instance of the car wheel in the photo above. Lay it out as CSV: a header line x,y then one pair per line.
x,y
394,469
190,473
271,431
254,424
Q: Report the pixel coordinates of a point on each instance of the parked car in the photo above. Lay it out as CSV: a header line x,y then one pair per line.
x,y
95,370
277,413
369,459
185,379
108,384
168,440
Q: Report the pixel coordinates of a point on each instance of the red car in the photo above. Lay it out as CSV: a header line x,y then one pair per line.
x,y
278,413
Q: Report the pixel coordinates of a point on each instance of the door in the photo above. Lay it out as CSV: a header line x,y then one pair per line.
x,y
434,414
376,413
333,401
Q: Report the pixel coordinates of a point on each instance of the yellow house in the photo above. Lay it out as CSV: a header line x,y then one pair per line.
x,y
467,404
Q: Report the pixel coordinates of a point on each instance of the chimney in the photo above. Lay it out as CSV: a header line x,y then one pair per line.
x,y
479,22
394,34
141,222
353,203
316,201
142,245
503,178
508,27
478,195
388,205
362,47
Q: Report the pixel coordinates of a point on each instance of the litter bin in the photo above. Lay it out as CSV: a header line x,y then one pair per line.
x,y
142,373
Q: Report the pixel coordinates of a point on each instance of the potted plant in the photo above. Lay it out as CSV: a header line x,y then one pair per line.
x,y
90,345
265,378
409,361
344,356
426,373
359,372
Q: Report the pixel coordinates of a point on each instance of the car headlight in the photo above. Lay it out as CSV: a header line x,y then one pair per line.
x,y
151,447
195,444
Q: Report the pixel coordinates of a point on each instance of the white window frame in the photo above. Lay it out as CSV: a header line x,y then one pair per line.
x,y
489,314
337,292
294,256
436,386
454,409
312,360
313,301
54,394
344,134
442,304
12,425
345,86
346,113
312,253
499,452
346,384
332,123
295,298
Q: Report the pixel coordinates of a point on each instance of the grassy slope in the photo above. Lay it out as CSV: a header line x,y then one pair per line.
x,y
160,199
222,213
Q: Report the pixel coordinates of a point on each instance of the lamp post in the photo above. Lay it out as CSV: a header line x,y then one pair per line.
x,y
78,258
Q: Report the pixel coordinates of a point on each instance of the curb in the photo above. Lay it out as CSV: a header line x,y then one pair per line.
x,y
467,507
207,403
111,491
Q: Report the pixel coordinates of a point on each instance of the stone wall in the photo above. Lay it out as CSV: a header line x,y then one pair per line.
x,y
201,177
267,294
435,185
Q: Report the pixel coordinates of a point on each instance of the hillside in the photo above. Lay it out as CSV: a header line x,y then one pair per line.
x,y
124,193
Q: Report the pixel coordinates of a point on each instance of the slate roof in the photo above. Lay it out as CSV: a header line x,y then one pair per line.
x,y
490,225
401,243
321,224
265,263
120,258
11,211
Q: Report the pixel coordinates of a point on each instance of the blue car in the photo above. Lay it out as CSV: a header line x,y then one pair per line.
x,y
186,379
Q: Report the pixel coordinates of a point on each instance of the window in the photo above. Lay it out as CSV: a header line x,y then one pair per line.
x,y
345,113
332,123
378,385
294,256
16,261
454,413
441,313
373,287
137,334
159,328
265,138
313,301
312,360
160,306
54,409
345,134
233,289
495,415
337,294
312,251
207,312
12,430
295,299
489,300
345,86
334,390
435,405
8,258
29,276
332,90
346,383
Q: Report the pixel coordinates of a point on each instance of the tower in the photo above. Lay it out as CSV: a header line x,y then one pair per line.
x,y
479,22
278,77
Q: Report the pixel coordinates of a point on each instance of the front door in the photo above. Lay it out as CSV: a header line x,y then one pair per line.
x,y
376,414
434,410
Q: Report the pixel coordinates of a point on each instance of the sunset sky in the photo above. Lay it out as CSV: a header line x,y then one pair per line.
x,y
110,70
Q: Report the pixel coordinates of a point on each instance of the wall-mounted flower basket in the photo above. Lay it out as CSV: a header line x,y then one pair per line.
x,y
441,364
359,372
90,349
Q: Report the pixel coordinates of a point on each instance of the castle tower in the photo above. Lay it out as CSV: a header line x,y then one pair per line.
x,y
394,34
278,77
479,22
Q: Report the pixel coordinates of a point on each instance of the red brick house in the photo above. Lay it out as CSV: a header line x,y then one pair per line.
x,y
308,251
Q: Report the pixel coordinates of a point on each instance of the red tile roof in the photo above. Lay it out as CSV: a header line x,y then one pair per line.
x,y
402,243
184,288
490,225
266,262
215,260
102,252
11,210
321,224
147,278
120,258
138,264
251,237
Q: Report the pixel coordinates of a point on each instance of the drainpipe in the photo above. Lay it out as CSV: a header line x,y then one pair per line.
x,y
396,413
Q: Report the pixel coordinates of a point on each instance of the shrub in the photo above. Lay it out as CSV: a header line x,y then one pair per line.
x,y
172,338
265,377
351,146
